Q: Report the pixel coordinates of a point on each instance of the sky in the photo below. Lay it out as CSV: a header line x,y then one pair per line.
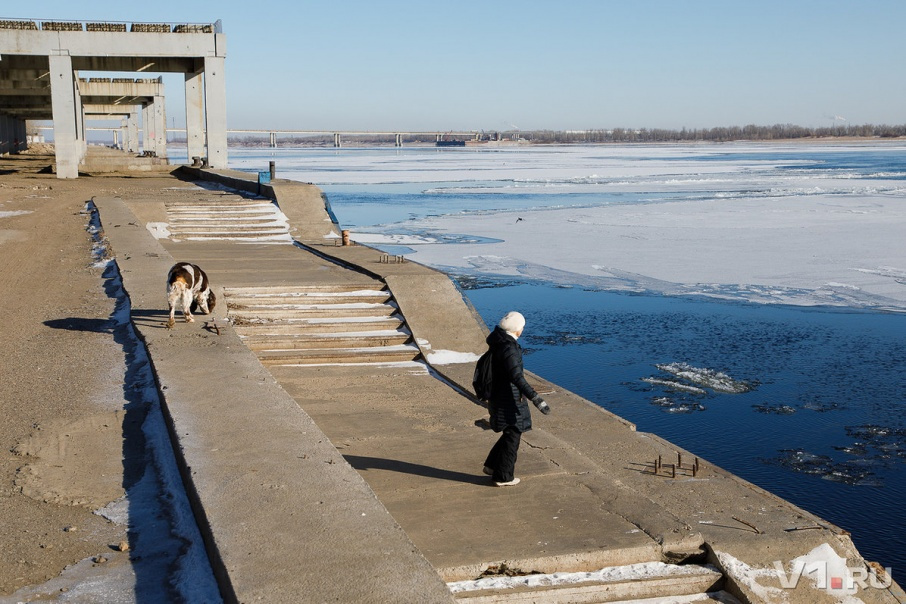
x,y
425,65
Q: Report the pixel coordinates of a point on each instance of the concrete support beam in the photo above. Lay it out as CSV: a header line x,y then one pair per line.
x,y
147,138
62,90
81,138
5,146
160,126
124,130
215,111
195,138
130,143
23,136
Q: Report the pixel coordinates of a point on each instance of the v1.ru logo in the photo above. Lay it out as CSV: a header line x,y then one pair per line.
x,y
833,576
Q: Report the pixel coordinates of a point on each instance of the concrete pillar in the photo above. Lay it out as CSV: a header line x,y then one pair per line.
x,y
116,139
399,140
273,140
5,138
62,93
215,111
160,125
124,129
336,140
7,135
131,141
195,139
81,137
147,136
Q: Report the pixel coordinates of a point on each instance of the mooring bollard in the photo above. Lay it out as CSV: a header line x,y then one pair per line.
x,y
345,237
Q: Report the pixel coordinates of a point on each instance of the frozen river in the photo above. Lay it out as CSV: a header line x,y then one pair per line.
x,y
653,276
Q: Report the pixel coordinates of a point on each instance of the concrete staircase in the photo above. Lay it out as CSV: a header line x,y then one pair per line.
x,y
227,217
653,583
346,324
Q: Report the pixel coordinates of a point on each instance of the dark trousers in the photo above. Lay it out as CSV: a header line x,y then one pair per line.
x,y
502,458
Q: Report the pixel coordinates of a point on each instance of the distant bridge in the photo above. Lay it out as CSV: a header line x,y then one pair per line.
x,y
338,135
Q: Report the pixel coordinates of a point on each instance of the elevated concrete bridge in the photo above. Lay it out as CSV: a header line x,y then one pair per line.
x,y
112,98
339,135
39,65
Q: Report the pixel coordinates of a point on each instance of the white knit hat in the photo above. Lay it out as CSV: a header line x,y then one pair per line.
x,y
512,322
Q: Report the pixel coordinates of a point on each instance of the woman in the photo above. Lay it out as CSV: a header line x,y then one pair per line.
x,y
507,403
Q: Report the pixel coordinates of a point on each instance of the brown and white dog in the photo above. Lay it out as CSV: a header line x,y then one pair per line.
x,y
189,289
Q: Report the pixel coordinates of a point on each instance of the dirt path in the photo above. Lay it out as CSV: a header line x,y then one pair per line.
x,y
71,433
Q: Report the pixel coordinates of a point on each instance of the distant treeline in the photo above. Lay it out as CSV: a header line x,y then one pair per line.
x,y
616,135
719,134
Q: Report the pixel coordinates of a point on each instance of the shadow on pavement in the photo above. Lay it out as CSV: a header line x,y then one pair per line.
x,y
378,463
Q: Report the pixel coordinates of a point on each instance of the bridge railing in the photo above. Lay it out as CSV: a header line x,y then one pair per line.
x,y
112,26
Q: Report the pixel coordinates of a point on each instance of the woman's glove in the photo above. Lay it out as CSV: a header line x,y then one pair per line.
x,y
541,405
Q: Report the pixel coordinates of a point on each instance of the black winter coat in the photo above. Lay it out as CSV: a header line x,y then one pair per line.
x,y
506,405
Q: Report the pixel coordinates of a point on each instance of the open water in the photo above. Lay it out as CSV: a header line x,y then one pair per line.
x,y
805,402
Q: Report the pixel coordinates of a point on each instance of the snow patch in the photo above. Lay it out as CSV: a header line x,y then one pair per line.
x,y
9,213
631,572
159,230
451,357
748,576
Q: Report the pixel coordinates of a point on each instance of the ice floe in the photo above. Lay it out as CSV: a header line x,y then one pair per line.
x,y
708,378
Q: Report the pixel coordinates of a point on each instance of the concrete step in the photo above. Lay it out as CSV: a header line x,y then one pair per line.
x,y
285,327
313,356
307,297
721,597
260,220
346,324
247,303
237,219
242,229
226,217
366,339
278,290
225,210
237,235
314,310
220,205
654,582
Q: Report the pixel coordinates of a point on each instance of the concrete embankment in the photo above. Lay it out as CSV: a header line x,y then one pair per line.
x,y
316,476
